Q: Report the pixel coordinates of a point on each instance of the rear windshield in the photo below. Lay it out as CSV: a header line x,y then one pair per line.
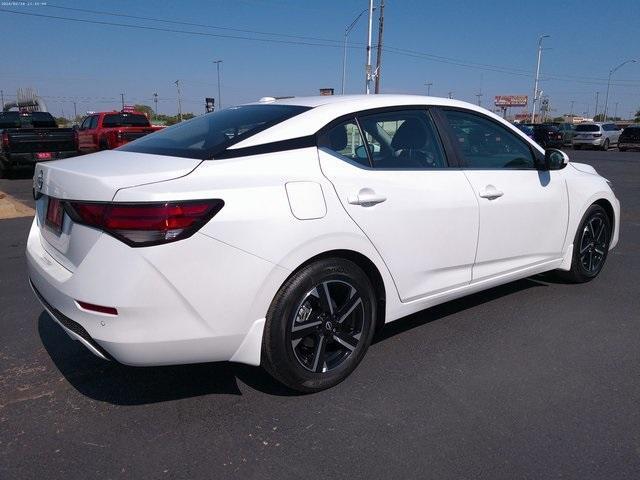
x,y
587,128
27,120
113,120
205,136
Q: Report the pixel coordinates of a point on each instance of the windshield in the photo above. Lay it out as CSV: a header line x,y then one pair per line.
x,y
113,120
204,136
588,128
27,120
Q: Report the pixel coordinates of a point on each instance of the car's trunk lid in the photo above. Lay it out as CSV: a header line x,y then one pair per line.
x,y
92,178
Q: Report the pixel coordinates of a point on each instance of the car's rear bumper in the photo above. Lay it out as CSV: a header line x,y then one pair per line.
x,y
197,300
18,159
596,142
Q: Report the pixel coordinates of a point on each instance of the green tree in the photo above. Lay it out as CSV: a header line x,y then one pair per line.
x,y
637,119
598,118
61,121
146,109
558,119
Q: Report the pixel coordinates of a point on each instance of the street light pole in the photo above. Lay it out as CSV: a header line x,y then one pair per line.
x,y
428,85
611,72
368,75
155,101
347,31
122,98
177,82
218,62
595,112
535,85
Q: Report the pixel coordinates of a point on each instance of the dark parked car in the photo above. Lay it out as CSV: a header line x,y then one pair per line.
x,y
567,130
527,129
629,138
31,137
547,136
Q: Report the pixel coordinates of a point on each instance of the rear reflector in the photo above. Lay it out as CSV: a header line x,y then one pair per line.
x,y
145,224
97,308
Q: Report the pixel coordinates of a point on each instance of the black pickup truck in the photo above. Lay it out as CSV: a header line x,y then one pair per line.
x,y
30,137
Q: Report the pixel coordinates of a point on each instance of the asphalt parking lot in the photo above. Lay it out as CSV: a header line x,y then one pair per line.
x,y
534,379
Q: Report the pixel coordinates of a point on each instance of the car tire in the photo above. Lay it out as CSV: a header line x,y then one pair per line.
x,y
590,246
622,149
103,145
6,171
605,145
319,325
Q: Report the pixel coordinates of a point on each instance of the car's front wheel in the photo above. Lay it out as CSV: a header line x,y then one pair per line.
x,y
319,325
590,246
605,145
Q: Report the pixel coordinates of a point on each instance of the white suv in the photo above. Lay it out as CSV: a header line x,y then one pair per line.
x,y
596,135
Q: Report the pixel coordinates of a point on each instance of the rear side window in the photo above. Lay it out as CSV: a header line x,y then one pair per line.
x,y
113,120
403,139
205,136
587,128
345,140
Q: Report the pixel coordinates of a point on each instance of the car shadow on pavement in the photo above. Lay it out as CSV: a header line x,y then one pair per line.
x,y
454,306
124,385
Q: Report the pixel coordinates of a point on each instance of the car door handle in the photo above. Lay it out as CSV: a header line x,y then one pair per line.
x,y
491,192
366,197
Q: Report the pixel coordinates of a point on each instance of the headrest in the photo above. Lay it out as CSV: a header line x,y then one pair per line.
x,y
412,134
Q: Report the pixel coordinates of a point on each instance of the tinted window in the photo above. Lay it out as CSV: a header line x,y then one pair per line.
x,y
485,144
27,120
113,120
86,122
587,128
94,122
204,136
345,140
403,139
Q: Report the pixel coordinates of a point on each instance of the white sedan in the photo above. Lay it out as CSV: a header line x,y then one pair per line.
x,y
284,233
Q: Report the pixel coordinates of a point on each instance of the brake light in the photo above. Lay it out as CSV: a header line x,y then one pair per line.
x,y
597,135
5,140
145,224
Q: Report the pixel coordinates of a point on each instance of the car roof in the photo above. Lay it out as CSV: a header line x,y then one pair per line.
x,y
325,108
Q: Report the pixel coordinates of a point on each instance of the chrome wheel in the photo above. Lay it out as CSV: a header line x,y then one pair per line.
x,y
327,326
594,243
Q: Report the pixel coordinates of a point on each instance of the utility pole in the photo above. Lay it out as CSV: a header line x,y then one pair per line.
x,y
177,82
218,62
2,96
379,52
571,114
428,85
155,101
611,72
535,85
595,112
615,112
479,96
367,88
75,111
122,98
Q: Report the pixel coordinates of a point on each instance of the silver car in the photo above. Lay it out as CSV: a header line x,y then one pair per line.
x,y
596,135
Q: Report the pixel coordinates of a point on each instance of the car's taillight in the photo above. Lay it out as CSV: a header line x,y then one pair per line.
x,y
145,224
597,135
120,135
5,140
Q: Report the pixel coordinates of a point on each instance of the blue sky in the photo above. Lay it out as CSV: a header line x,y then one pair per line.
x,y
95,63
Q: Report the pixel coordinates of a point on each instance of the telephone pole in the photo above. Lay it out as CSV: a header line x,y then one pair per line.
x,y
2,96
75,111
122,98
177,82
368,75
595,113
571,114
379,52
155,101
428,85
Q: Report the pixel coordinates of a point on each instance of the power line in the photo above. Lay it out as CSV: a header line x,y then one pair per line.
x,y
390,49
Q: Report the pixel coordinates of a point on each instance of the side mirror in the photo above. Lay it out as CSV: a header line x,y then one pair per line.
x,y
555,159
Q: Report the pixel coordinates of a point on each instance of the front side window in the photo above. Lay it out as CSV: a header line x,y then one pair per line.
x,y
345,140
207,135
94,122
485,144
85,123
403,139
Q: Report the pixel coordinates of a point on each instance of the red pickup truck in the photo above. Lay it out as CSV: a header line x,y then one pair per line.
x,y
107,130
